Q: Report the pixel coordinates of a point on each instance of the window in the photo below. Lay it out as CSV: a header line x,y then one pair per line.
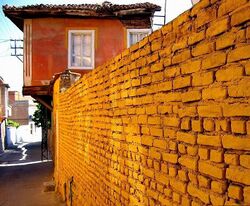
x,y
135,35
81,49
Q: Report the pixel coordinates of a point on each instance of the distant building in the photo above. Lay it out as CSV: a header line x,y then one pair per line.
x,y
23,109
5,110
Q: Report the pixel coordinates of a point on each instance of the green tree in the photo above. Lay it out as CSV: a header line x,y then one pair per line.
x,y
12,123
39,116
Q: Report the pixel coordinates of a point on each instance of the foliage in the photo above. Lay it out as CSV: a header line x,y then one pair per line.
x,y
12,123
39,116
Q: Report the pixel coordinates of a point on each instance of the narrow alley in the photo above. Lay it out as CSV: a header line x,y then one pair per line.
x,y
22,175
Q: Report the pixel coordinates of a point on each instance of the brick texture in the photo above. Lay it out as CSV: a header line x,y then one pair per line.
x,y
167,121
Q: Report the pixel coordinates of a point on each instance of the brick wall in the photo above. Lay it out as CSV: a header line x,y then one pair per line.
x,y
167,121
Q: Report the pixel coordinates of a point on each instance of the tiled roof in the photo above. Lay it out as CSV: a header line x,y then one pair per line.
x,y
94,7
104,10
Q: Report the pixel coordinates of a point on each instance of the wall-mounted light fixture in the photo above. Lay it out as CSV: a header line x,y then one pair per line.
x,y
68,78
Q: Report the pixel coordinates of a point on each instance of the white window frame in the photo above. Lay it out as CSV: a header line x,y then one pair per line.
x,y
148,31
92,32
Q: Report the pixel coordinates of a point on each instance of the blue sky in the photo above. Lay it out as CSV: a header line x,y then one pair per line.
x,y
11,69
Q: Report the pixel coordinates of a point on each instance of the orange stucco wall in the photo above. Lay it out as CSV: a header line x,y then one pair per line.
x,y
50,43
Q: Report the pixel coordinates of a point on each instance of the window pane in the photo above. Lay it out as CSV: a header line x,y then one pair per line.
x,y
87,50
76,49
81,49
135,37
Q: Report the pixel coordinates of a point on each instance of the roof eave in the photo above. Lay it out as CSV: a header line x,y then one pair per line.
x,y
18,16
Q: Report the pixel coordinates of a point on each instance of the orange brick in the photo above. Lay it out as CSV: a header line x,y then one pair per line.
x,y
180,44
202,79
246,194
167,28
156,132
203,48
190,66
216,59
156,77
181,57
229,5
192,150
225,40
242,89
160,143
245,161
191,96
203,181
231,159
182,82
217,199
240,16
209,140
204,16
182,149
238,174
182,174
147,140
189,162
238,126
156,45
214,93
197,125
234,142
172,121
235,192
187,112
218,187
186,137
239,53
196,192
172,171
210,111
157,67
229,74
170,157
208,124
216,156
196,37
154,120
218,27
208,168
203,153
185,124
238,109
162,178
178,185
172,72
154,154
163,109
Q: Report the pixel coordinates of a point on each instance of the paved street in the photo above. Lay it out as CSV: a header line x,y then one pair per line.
x,y
21,178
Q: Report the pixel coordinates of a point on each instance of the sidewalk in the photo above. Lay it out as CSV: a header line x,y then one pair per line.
x,y
21,178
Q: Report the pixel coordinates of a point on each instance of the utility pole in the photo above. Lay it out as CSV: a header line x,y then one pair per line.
x,y
16,46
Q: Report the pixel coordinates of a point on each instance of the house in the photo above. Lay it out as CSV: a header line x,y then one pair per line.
x,y
23,109
4,112
76,37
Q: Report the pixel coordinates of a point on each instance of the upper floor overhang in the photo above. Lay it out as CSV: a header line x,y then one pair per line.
x,y
104,10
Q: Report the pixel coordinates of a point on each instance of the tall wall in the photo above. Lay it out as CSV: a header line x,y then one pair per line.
x,y
167,121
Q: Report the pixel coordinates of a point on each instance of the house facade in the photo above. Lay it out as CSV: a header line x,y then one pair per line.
x,y
4,112
23,109
76,37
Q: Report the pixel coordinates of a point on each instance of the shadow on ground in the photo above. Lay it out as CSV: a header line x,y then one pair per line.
x,y
22,174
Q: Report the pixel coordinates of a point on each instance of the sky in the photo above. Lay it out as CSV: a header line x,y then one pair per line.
x,y
11,69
